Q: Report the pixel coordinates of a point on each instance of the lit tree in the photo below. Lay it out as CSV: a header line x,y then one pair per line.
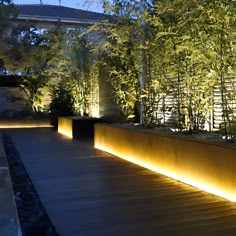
x,y
218,19
75,73
28,54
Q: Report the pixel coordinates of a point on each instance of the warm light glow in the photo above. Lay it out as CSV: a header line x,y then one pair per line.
x,y
94,98
66,132
95,112
193,182
65,126
21,126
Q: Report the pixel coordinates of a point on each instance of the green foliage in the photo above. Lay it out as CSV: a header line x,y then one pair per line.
x,y
182,61
220,56
75,67
61,100
169,57
50,58
35,88
183,49
29,53
199,44
122,56
121,62
7,13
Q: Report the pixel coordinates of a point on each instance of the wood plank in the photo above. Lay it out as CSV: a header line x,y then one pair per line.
x,y
89,192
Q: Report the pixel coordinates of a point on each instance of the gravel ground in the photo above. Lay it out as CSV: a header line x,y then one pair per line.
x,y
32,215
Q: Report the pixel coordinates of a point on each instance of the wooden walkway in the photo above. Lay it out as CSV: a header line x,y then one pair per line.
x,y
91,193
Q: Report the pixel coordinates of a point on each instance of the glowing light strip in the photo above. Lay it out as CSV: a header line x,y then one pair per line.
x,y
66,133
194,183
19,126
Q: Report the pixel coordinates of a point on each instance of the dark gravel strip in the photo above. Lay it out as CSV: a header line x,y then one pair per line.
x,y
32,215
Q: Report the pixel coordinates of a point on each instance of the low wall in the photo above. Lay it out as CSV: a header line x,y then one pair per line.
x,y
9,222
14,102
25,123
77,127
65,126
207,166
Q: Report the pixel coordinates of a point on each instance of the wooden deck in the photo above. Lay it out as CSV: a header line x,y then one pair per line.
x,y
88,192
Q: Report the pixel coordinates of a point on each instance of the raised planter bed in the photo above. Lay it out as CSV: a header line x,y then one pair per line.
x,y
77,127
208,166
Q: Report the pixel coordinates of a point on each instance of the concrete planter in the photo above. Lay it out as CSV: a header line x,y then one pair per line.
x,y
205,165
77,127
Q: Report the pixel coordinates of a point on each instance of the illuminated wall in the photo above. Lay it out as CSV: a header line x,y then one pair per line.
x,y
13,124
209,167
77,127
65,126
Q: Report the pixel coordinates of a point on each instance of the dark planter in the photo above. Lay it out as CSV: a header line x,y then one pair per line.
x,y
77,127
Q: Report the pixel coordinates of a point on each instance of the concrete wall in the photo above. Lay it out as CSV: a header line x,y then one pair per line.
x,y
13,100
108,109
207,166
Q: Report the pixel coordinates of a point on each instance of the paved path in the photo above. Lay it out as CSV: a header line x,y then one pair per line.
x,y
90,193
9,222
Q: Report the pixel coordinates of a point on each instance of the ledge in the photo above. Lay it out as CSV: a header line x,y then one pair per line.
x,y
9,222
24,123
207,166
77,127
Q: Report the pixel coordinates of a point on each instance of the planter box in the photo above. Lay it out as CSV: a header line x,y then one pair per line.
x,y
77,127
207,166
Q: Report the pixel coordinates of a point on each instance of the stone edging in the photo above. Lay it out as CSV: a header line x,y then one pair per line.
x,y
8,213
33,217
